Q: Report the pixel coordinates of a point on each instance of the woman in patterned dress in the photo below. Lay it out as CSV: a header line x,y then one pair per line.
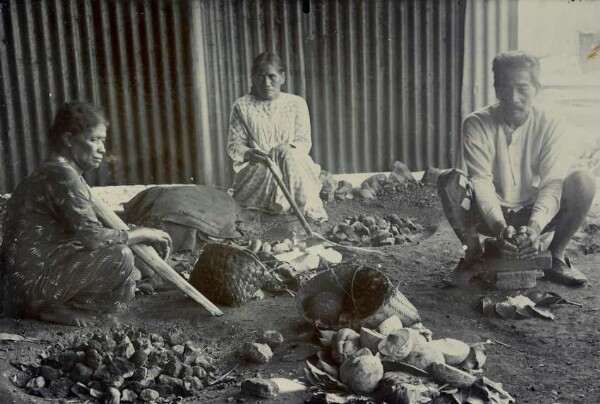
x,y
280,130
60,263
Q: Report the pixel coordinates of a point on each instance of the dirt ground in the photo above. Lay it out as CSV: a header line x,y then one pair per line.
x,y
539,361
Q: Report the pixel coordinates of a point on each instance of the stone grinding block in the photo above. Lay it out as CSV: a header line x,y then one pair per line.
x,y
517,280
541,262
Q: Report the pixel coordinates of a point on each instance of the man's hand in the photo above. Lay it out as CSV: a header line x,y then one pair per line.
x,y
256,156
528,242
506,244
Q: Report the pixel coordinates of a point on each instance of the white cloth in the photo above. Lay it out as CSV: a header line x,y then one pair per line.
x,y
281,128
517,168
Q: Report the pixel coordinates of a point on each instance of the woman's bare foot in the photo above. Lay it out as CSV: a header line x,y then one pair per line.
x,y
69,316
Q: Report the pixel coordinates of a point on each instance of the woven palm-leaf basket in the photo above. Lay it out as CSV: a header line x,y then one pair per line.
x,y
366,295
227,274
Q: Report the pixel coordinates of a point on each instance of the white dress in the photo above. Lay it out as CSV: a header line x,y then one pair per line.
x,y
280,127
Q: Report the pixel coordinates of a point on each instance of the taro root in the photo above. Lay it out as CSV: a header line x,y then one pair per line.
x,y
454,351
344,343
325,306
363,374
447,374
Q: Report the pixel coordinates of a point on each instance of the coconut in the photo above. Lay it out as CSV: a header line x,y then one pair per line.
x,y
348,362
370,339
424,355
454,351
390,324
398,345
363,374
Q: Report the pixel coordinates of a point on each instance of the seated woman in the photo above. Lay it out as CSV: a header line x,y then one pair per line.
x,y
60,263
280,131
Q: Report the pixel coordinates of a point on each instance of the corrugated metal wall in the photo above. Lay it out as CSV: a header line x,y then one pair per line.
x,y
382,79
491,27
132,57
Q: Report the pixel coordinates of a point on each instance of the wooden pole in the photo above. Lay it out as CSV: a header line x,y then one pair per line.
x,y
151,258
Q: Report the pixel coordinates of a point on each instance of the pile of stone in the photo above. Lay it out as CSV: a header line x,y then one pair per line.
x,y
124,366
376,231
397,364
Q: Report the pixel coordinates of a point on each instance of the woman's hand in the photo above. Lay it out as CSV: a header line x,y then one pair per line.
x,y
256,156
160,240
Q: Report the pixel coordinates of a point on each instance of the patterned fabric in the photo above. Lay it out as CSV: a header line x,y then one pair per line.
x,y
280,127
56,251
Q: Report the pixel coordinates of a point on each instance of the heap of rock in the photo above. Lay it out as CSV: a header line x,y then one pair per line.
x,y
372,230
124,366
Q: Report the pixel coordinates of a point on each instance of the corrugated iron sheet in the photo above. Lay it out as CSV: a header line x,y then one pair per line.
x,y
132,57
491,27
382,79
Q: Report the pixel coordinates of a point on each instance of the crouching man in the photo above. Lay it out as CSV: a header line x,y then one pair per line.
x,y
518,184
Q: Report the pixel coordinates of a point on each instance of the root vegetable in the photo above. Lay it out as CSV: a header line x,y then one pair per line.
x,y
266,248
280,248
454,351
345,367
255,245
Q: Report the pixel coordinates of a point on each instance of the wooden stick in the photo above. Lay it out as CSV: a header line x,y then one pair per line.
x,y
151,258
278,179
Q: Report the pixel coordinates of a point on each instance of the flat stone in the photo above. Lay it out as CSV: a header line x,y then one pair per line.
x,y
169,381
186,371
257,353
81,373
272,338
113,396
192,384
36,383
114,381
139,358
125,349
128,396
49,373
263,388
61,387
178,349
149,395
173,367
199,372
122,367
92,358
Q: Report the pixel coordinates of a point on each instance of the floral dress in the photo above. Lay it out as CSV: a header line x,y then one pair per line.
x,y
56,252
280,127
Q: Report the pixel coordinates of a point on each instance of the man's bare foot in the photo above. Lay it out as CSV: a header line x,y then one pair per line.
x,y
69,316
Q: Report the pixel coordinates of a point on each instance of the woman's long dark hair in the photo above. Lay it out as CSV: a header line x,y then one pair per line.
x,y
75,117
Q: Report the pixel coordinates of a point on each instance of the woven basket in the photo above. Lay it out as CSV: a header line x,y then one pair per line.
x,y
227,274
367,295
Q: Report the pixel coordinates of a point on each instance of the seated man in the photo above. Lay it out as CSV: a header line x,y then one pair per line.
x,y
517,162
